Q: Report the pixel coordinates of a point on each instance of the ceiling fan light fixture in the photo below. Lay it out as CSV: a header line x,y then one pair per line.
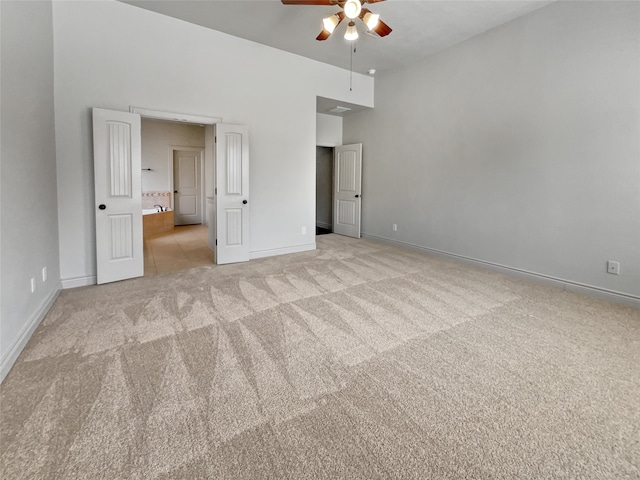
x,y
371,20
352,8
330,23
352,32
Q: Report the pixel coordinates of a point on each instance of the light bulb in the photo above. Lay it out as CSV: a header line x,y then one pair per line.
x,y
371,20
352,8
352,32
330,23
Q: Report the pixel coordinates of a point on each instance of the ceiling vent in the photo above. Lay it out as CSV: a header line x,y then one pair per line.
x,y
338,109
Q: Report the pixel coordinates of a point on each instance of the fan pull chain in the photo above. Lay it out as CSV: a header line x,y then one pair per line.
x,y
352,50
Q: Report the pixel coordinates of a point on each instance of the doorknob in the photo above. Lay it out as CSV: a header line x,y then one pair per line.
x,y
357,196
102,206
244,202
175,191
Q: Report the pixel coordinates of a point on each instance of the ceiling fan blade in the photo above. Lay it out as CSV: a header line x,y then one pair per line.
x,y
382,29
310,2
372,1
324,34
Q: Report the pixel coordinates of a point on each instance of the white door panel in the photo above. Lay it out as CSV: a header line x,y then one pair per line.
x,y
347,188
118,195
232,193
187,195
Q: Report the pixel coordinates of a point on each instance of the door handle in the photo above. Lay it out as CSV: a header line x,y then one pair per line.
x,y
357,196
102,206
175,191
244,202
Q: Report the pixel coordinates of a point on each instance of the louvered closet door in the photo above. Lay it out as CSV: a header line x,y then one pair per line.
x,y
347,199
118,199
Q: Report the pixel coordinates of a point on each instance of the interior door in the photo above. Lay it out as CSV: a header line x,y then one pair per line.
x,y
117,161
347,185
231,193
187,196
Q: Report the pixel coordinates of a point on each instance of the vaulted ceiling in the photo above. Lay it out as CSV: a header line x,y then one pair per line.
x,y
420,28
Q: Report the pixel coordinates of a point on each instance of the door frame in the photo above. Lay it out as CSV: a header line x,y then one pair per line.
x,y
203,197
186,118
333,151
174,117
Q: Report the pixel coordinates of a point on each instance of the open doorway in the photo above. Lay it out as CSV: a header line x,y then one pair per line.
x,y
175,233
324,190
118,172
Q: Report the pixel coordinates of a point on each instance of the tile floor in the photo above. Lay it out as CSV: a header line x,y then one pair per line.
x,y
183,248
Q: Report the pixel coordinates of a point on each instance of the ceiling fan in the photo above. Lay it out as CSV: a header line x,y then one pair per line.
x,y
351,9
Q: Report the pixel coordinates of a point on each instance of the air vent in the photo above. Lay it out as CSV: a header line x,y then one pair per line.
x,y
339,109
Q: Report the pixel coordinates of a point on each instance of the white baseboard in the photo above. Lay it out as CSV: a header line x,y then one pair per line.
x,y
328,226
282,251
575,287
79,282
12,354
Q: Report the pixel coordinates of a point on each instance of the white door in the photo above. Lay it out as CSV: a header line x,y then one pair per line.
x,y
187,196
118,199
347,184
232,193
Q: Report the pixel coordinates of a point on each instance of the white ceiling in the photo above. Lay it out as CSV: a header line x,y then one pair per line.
x,y
420,27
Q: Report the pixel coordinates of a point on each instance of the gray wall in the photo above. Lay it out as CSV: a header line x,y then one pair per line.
x,y
328,130
324,187
29,225
157,136
519,147
113,55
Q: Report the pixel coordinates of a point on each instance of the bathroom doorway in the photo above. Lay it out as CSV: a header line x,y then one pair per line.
x,y
175,230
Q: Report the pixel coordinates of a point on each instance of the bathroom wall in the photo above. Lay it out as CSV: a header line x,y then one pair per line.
x,y
157,137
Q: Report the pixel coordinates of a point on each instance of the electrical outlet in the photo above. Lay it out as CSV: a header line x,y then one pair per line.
x,y
33,284
304,230
613,267
394,227
44,274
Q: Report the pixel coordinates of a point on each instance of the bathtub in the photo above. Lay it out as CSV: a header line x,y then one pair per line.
x,y
151,211
154,222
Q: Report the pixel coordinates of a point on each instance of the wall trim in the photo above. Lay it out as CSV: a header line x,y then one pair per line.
x,y
590,290
176,117
282,251
76,282
27,330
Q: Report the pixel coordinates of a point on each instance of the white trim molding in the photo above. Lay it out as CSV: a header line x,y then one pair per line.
x,y
568,285
14,351
281,251
79,282
175,117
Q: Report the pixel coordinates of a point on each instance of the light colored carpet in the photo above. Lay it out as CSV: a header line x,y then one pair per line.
x,y
355,361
